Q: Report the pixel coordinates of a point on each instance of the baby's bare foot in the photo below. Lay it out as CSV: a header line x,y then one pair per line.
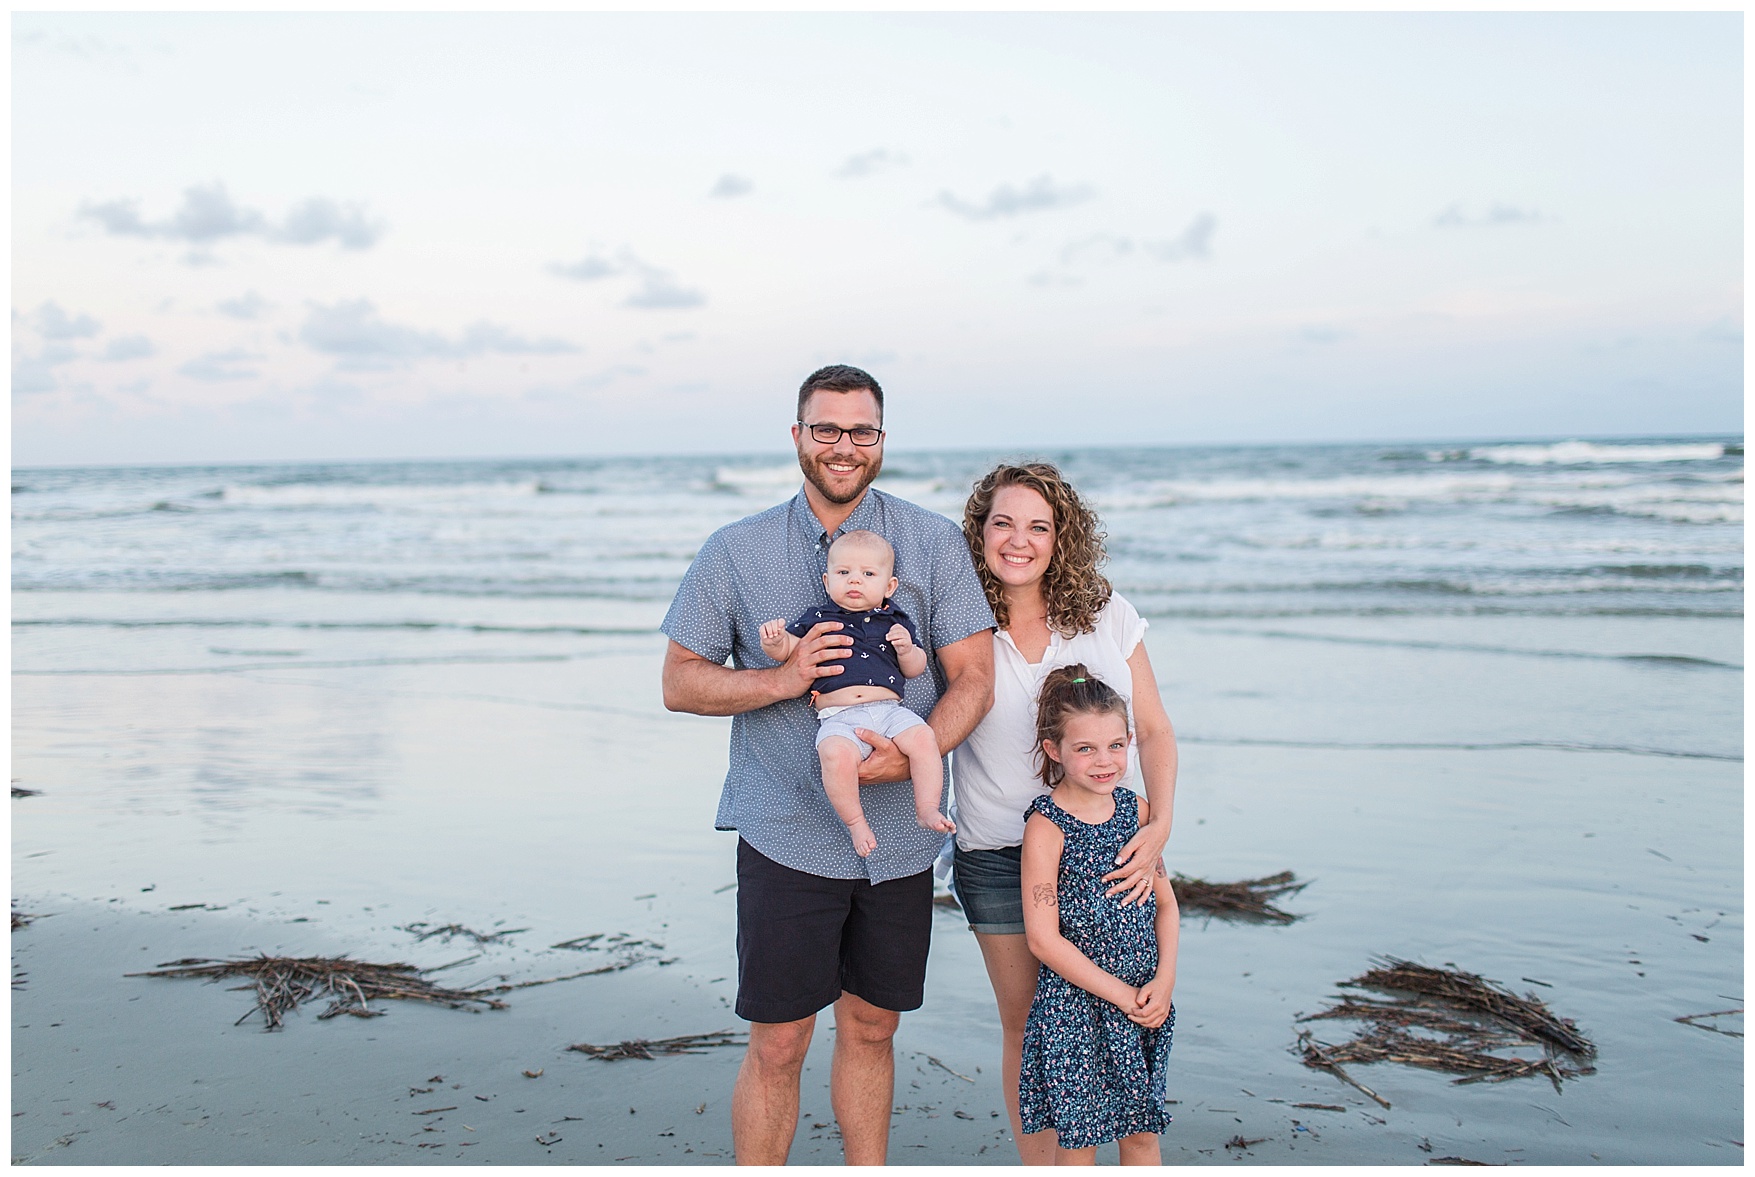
x,y
863,842
932,819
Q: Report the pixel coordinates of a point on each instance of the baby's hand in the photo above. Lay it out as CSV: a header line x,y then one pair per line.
x,y
899,638
774,637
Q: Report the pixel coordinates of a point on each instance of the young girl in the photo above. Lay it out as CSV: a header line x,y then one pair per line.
x,y
1098,1037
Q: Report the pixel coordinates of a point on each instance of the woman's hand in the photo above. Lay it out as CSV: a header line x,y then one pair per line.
x,y
1151,1003
1138,862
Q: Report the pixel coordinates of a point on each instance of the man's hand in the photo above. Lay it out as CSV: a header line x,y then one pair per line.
x,y
816,656
886,762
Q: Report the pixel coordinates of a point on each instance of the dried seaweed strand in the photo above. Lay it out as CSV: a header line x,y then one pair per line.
x,y
649,1048
1412,1013
1318,1054
1689,1020
423,931
1388,1045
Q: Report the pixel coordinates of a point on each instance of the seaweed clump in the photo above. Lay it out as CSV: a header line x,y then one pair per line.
x,y
1247,899
283,983
1445,1019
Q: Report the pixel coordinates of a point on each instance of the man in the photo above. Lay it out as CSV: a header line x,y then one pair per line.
x,y
816,924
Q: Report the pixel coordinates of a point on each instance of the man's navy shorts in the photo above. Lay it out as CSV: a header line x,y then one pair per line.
x,y
803,939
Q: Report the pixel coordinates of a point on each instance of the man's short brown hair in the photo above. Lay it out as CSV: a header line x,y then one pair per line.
x,y
839,378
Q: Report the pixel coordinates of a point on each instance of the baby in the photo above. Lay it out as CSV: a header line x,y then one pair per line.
x,y
885,652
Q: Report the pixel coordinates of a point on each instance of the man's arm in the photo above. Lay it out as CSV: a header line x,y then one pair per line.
x,y
968,667
699,687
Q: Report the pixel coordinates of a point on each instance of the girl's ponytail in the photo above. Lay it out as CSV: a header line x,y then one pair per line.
x,y
1068,691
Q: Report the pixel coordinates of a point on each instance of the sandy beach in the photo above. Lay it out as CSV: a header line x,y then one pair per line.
x,y
1552,802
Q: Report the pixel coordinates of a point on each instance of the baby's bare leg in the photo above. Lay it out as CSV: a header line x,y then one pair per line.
x,y
840,759
920,745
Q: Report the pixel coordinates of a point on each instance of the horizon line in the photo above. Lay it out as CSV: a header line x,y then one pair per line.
x,y
1477,439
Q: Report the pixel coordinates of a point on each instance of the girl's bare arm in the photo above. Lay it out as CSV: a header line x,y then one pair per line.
x,y
1043,843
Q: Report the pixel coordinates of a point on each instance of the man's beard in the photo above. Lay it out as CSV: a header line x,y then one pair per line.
x,y
816,476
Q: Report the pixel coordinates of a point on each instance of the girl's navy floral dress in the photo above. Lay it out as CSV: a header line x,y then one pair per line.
x,y
1088,1072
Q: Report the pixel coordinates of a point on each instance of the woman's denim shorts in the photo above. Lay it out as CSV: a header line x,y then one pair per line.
x,y
989,885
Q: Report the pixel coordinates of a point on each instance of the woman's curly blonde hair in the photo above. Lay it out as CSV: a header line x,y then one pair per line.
x,y
1073,588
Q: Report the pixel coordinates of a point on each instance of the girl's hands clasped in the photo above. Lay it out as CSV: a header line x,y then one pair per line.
x,y
1151,1002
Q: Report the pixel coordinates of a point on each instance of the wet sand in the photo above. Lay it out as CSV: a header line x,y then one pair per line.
x,y
1515,795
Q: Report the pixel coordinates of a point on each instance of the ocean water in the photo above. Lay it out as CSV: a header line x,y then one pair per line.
x,y
1575,527
1486,696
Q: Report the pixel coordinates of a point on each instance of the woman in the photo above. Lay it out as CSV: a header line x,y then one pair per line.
x,y
1037,549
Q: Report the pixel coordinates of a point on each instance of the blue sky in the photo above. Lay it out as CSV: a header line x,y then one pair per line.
x,y
267,236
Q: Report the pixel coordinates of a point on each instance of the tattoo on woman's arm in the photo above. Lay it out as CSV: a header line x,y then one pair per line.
x,y
1160,871
1045,895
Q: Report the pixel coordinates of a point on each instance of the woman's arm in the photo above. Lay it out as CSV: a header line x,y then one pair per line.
x,y
1156,741
1152,1005
1043,843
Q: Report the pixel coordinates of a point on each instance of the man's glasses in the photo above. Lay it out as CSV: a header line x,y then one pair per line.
x,y
830,434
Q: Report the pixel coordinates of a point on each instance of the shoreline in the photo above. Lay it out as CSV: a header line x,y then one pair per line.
x,y
328,809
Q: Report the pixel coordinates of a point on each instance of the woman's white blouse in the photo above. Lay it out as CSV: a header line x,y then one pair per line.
x,y
994,771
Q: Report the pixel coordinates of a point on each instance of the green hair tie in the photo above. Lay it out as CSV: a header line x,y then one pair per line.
x,y
1078,680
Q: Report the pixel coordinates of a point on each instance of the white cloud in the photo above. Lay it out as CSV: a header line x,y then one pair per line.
x,y
234,364
1102,244
729,186
659,291
34,374
248,305
1496,214
868,163
1037,195
1053,280
586,269
658,288
129,347
51,322
609,376
362,340
209,214
320,219
1196,241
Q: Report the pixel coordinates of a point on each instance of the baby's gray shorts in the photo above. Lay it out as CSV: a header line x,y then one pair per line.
x,y
886,717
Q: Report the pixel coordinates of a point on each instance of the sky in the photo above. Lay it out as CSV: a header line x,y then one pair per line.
x,y
261,237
